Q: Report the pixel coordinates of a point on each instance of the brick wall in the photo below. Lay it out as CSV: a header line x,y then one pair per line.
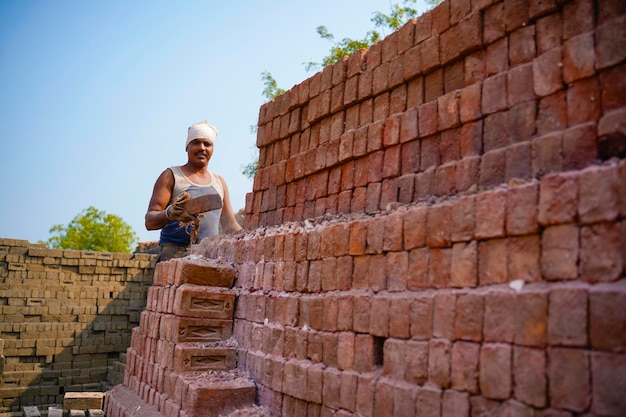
x,y
404,192
65,318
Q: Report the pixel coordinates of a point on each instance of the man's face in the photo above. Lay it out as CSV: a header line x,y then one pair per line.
x,y
200,150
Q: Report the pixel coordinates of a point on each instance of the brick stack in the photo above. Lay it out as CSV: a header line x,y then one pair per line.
x,y
182,358
65,317
471,94
439,222
413,309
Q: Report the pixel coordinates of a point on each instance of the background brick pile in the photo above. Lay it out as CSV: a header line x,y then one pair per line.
x,y
477,146
65,319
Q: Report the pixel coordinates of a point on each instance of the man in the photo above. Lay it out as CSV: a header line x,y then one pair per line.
x,y
195,179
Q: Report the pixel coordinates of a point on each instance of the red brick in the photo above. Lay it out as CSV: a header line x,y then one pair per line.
x,y
329,349
464,267
445,179
608,383
474,68
383,400
516,14
448,110
463,215
389,193
415,92
396,270
428,119
417,277
399,317
410,160
613,87
416,365
443,315
492,167
464,367
490,214
497,58
530,385
601,252
394,354
547,78
365,394
599,194
523,258
364,353
495,376
469,103
607,323
578,58
610,42
348,391
450,145
198,359
492,262
493,25
206,302
567,316
522,46
468,321
424,184
204,272
429,54
212,396
331,387
518,80
580,146
558,199
531,318
422,317
521,210
571,368
583,101
552,114
381,104
379,323
439,359
377,277
547,154
430,152
409,125
499,317
429,398
439,267
578,17
439,226
494,94
455,404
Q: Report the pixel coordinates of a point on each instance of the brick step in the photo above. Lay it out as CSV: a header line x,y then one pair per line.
x,y
207,394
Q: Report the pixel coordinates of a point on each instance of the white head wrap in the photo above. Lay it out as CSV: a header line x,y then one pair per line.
x,y
201,130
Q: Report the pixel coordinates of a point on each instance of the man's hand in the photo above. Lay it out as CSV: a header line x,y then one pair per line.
x,y
177,212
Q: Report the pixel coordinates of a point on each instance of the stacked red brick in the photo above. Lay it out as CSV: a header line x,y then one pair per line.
x,y
471,93
499,128
179,353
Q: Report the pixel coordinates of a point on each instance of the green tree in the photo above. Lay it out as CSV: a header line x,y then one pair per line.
x,y
271,90
94,230
397,17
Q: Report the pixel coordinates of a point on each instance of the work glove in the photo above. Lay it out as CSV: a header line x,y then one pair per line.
x,y
177,212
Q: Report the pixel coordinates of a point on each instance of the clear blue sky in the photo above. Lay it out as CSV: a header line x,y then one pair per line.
x,y
96,96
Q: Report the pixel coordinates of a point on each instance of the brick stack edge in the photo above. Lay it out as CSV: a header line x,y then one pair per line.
x,y
402,190
181,355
